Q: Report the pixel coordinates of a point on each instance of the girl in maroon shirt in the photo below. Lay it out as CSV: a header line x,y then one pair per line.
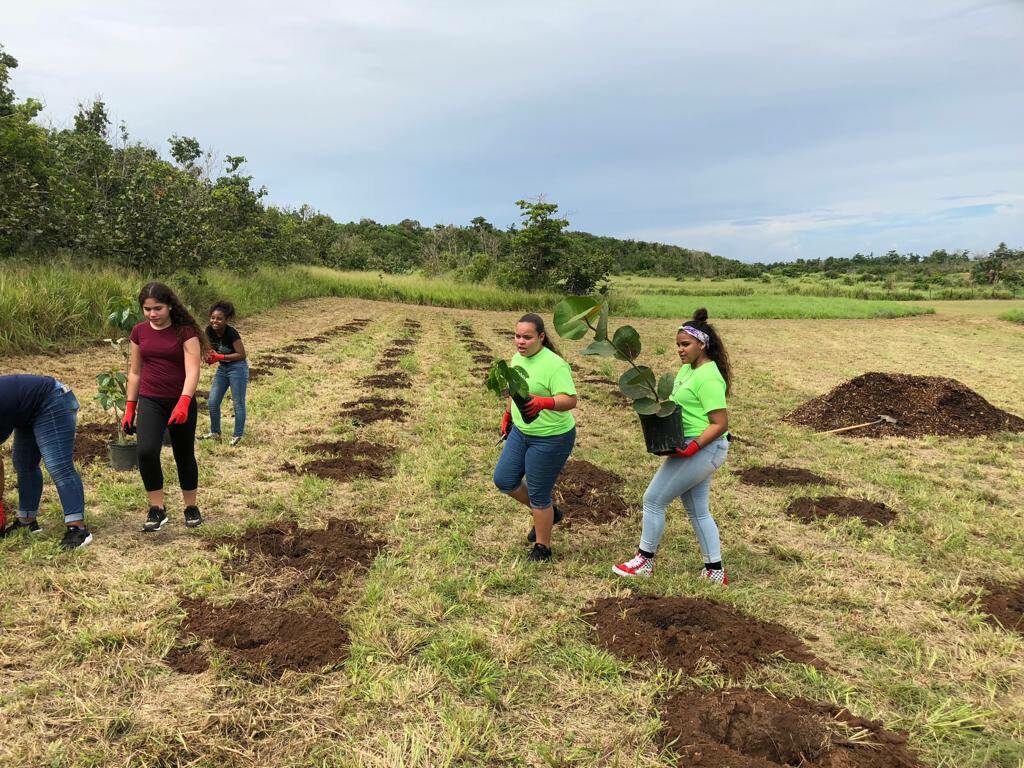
x,y
164,370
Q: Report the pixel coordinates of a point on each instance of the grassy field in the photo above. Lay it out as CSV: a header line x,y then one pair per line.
x,y
461,653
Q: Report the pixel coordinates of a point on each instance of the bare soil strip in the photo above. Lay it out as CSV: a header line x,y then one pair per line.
x,y
680,632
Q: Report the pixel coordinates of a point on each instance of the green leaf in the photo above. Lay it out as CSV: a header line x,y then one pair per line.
x,y
627,342
603,348
502,378
665,386
667,408
571,315
637,383
601,334
516,378
646,406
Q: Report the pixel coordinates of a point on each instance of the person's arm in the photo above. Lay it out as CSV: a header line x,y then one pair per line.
x,y
238,354
192,350
134,371
719,426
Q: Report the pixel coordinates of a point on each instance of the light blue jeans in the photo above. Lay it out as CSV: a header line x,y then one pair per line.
x,y
51,440
690,481
236,376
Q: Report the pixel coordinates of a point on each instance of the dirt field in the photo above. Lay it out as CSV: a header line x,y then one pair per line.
x,y
431,641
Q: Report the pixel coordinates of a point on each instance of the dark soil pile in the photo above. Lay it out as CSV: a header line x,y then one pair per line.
x,y
403,343
313,339
188,659
480,358
587,493
267,364
807,509
922,405
367,410
300,349
411,325
477,346
321,554
351,460
271,638
740,728
680,631
1004,604
774,476
465,330
91,442
353,326
393,380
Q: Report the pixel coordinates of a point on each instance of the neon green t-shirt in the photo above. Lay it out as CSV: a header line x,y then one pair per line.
x,y
549,375
698,391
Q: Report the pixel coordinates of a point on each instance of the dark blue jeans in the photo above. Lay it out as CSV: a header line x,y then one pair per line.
x,y
236,376
51,439
539,459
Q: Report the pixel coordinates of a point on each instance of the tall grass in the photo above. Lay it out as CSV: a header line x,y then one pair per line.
x,y
1014,316
781,307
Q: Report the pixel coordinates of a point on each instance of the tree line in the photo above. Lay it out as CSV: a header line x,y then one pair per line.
x,y
91,190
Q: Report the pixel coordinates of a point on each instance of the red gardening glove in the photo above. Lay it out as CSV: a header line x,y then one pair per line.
x,y
506,424
214,357
535,405
689,450
180,413
128,421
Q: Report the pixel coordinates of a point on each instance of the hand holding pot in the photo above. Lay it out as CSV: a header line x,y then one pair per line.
x,y
689,450
128,420
537,404
180,413
506,424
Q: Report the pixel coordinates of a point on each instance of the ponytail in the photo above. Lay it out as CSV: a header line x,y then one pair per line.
x,y
714,348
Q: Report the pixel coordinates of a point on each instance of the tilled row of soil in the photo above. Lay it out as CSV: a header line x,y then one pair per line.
x,y
266,364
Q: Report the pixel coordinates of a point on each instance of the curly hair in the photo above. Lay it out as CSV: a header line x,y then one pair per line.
x,y
180,316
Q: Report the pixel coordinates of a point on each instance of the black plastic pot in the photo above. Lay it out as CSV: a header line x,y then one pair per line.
x,y
663,434
520,404
123,456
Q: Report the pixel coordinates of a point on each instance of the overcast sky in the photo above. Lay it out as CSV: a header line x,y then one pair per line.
x,y
759,131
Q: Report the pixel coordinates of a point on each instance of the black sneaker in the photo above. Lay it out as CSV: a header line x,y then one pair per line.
x,y
155,519
75,537
539,554
32,526
193,517
532,535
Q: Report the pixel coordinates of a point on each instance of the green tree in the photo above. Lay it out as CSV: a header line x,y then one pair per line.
x,y
538,245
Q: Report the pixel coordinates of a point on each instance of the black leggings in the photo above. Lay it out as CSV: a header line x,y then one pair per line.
x,y
150,421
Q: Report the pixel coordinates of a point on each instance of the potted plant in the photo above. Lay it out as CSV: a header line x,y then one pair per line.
x,y
575,317
506,380
112,386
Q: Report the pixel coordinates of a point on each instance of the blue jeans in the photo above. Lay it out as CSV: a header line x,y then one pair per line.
x,y
689,480
539,459
236,376
51,439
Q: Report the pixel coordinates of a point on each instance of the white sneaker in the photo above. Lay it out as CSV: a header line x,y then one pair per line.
x,y
210,436
235,441
639,566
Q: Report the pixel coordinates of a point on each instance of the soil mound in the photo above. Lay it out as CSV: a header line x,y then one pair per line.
x,y
411,325
807,509
271,638
1004,604
922,405
480,358
588,493
403,344
296,348
465,330
774,476
267,364
681,631
367,410
739,728
91,442
313,339
188,659
350,460
477,346
353,326
321,554
394,380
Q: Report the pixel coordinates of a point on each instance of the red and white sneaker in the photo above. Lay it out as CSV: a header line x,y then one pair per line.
x,y
638,566
715,576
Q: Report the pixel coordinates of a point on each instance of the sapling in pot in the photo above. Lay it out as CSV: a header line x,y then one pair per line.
x,y
577,316
112,385
506,380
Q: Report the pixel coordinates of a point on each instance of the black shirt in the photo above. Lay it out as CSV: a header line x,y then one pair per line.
x,y
21,397
224,344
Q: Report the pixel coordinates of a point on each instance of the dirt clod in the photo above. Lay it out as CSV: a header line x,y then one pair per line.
x,y
774,476
477,346
679,632
1004,604
188,659
300,349
367,410
740,728
321,554
390,380
350,460
273,639
91,442
807,509
589,494
922,405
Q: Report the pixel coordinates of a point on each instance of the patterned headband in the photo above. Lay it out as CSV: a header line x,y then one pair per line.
x,y
698,334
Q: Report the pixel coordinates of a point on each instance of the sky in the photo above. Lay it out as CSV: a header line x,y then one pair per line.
x,y
757,131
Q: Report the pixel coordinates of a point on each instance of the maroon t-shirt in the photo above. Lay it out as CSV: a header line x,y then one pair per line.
x,y
163,358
